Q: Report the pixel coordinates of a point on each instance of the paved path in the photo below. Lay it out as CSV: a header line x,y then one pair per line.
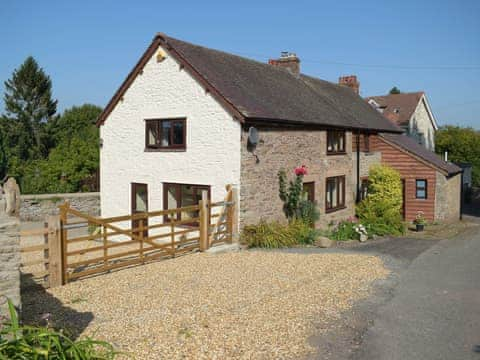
x,y
434,312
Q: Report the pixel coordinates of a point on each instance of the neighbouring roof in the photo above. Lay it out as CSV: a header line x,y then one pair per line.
x,y
262,92
398,108
412,147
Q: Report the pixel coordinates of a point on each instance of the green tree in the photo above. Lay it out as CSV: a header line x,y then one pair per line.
x,y
28,105
76,122
3,149
65,169
74,158
394,90
462,145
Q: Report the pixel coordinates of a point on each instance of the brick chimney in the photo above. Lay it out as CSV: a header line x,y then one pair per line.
x,y
351,82
287,60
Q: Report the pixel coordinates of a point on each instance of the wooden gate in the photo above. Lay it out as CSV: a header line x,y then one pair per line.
x,y
113,243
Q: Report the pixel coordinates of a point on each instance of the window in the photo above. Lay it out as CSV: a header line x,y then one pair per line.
x,y
308,191
421,189
364,189
165,134
335,193
182,195
335,142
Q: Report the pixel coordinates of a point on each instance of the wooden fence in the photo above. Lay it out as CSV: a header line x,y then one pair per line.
x,y
65,251
41,254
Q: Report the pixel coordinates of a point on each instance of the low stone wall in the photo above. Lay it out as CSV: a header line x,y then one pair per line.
x,y
9,263
38,207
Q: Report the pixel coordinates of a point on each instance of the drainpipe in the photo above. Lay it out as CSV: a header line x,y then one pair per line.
x,y
461,195
358,167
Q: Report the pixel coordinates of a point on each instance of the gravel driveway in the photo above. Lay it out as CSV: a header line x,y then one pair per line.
x,y
248,304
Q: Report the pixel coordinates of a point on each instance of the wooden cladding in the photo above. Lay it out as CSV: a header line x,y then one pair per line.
x,y
165,134
410,170
335,142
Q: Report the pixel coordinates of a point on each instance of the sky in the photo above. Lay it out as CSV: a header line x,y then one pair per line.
x,y
88,47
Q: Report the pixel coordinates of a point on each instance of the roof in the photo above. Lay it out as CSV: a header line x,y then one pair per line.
x,y
398,108
264,93
411,146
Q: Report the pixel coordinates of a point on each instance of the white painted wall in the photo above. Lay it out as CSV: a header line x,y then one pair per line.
x,y
213,140
421,123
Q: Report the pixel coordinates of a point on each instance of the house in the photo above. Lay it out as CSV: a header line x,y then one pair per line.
x,y
410,111
188,119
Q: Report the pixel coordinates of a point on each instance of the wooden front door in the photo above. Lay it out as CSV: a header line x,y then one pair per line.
x,y
140,205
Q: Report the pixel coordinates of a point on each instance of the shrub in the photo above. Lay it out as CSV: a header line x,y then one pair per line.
x,y
381,210
275,235
303,232
308,212
32,342
344,230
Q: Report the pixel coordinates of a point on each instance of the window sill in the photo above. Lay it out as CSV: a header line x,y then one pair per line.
x,y
165,150
336,153
328,211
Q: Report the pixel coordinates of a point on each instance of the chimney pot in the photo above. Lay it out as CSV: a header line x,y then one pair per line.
x,y
288,61
351,82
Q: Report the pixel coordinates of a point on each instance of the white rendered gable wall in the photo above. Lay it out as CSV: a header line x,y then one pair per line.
x,y
420,122
212,155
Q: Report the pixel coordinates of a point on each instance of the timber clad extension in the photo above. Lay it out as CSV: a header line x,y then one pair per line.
x,y
405,156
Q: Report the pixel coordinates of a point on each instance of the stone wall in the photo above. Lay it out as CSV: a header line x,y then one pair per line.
x,y
9,262
38,207
367,159
447,198
288,148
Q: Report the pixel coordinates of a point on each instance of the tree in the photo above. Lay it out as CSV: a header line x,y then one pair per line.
x,y
394,90
462,145
76,122
3,149
74,156
29,105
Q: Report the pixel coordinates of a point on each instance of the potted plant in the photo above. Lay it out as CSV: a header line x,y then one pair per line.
x,y
420,221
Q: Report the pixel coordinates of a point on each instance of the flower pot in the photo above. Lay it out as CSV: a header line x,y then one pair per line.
x,y
363,237
420,227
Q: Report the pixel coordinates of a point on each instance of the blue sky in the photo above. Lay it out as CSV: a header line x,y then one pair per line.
x,y
88,47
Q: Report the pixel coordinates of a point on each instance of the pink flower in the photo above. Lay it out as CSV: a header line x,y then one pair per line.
x,y
301,170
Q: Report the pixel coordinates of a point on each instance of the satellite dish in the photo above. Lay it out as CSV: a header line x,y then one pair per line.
x,y
253,135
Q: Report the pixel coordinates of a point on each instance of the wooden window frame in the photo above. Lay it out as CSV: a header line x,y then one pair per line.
x,y
421,188
366,142
340,204
312,193
337,134
158,129
179,195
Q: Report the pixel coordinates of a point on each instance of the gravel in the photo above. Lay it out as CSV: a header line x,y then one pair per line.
x,y
242,305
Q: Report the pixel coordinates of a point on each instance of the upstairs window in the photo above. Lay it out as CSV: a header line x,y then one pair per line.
x,y
165,134
421,188
335,142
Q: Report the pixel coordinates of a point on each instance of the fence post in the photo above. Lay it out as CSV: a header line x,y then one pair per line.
x,y
63,240
55,262
233,215
204,222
